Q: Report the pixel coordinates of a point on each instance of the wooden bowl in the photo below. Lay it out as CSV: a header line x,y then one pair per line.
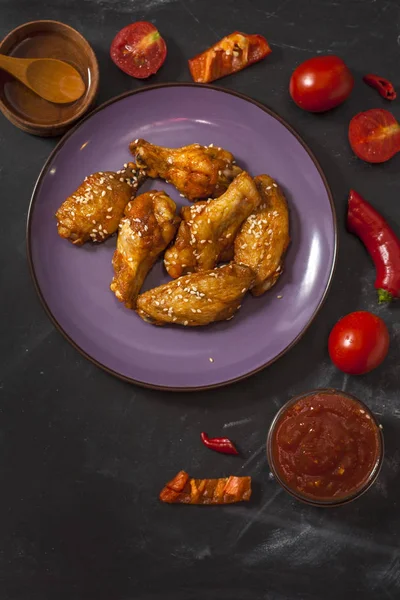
x,y
46,39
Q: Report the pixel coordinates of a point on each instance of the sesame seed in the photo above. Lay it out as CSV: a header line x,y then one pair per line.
x,y
108,217
100,227
125,165
210,145
109,188
121,179
211,359
182,195
130,259
269,256
136,141
103,193
186,322
274,184
279,297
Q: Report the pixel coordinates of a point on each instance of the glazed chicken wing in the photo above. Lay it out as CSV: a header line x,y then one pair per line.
x,y
264,237
94,210
149,225
208,228
196,171
197,299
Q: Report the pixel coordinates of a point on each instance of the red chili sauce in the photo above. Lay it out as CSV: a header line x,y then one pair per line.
x,y
325,446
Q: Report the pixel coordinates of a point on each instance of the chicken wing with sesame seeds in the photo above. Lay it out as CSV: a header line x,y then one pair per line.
x,y
94,210
197,299
149,225
208,228
264,236
196,171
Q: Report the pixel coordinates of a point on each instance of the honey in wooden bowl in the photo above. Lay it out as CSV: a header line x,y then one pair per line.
x,y
46,39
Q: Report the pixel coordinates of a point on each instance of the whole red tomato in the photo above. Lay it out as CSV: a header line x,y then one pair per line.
x,y
321,83
358,343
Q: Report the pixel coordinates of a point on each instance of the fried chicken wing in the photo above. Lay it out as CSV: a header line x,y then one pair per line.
x,y
94,210
209,228
264,237
149,225
197,299
183,489
196,171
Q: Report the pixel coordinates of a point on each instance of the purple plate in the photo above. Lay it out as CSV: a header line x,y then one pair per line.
x,y
73,283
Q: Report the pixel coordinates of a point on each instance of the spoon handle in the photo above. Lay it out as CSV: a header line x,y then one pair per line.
x,y
14,66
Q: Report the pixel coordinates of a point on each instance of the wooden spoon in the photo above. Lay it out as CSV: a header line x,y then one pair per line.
x,y
52,79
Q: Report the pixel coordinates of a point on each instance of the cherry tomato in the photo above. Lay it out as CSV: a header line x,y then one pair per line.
x,y
138,49
321,83
374,135
358,343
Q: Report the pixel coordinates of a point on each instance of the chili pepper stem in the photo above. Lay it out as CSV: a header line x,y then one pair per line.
x,y
384,297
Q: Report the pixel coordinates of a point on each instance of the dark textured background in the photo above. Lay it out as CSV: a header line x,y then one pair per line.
x,y
83,455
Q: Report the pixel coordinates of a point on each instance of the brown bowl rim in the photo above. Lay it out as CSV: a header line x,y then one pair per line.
x,y
333,502
93,86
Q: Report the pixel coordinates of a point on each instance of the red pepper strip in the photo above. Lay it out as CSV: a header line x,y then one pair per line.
x,y
381,242
223,445
231,54
384,86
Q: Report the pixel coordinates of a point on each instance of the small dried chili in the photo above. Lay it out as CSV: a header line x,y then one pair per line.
x,y
384,86
223,445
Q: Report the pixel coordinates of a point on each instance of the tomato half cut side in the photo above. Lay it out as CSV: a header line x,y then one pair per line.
x,y
374,135
138,49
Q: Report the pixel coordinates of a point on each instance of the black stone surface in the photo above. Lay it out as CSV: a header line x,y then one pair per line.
x,y
84,455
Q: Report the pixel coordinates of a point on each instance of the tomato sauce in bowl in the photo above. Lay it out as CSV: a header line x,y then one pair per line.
x,y
325,447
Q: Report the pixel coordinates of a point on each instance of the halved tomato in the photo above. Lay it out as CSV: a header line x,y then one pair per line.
x,y
138,49
374,135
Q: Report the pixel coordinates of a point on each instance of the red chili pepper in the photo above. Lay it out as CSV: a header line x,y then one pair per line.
x,y
231,54
384,86
223,445
381,242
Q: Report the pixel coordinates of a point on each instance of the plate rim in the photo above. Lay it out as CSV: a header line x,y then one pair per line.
x,y
44,171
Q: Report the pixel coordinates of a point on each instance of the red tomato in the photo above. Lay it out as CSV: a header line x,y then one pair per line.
x,y
321,83
358,343
139,49
374,135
